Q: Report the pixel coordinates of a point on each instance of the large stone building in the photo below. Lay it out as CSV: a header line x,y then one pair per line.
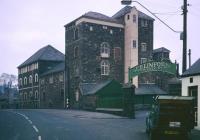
x,y
41,79
99,47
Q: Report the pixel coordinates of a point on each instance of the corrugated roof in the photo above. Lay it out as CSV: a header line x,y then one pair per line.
x,y
58,68
162,49
149,89
193,70
127,9
46,53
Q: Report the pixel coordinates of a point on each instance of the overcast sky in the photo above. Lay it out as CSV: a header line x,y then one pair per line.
x,y
28,25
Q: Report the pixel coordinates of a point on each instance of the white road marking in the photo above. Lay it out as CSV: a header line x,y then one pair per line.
x,y
30,121
39,138
35,128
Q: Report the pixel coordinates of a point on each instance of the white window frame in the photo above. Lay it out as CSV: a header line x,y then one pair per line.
x,y
30,79
105,50
36,77
91,28
143,60
20,81
25,80
105,67
51,79
143,47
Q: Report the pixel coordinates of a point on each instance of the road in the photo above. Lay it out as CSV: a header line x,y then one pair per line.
x,y
44,124
68,125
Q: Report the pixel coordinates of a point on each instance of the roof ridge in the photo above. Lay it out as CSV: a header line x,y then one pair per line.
x,y
45,50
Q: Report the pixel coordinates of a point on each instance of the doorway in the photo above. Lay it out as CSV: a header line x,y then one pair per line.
x,y
193,91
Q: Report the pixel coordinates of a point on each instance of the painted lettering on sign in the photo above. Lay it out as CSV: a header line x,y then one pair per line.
x,y
151,66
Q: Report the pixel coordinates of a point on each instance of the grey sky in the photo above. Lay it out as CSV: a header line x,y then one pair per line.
x,y
28,25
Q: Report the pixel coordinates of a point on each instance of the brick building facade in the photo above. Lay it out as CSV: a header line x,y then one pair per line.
x,y
34,88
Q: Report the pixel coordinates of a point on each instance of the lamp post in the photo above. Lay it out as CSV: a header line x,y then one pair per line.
x,y
184,59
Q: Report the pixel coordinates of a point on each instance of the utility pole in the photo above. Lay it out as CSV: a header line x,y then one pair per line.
x,y
184,61
189,55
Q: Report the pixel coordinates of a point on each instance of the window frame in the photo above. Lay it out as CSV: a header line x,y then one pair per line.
x,y
105,67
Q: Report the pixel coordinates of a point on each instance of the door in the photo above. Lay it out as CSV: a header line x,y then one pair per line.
x,y
193,91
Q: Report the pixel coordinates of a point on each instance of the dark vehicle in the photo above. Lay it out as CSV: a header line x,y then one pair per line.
x,y
171,117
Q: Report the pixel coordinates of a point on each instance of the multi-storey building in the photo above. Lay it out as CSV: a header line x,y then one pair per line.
x,y
41,64
99,47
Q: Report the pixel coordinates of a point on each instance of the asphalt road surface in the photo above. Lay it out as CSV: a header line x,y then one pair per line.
x,y
43,124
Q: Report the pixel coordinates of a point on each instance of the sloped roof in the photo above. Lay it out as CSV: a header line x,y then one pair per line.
x,y
46,53
193,70
92,88
162,49
96,16
149,89
58,68
99,16
127,9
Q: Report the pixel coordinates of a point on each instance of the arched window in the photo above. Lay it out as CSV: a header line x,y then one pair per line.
x,y
105,67
30,95
36,77
25,80
105,49
20,81
36,94
25,96
30,79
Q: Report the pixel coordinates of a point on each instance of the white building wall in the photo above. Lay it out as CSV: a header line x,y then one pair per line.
x,y
131,54
185,85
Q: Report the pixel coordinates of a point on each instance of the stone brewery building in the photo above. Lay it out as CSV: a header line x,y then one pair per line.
x,y
99,47
41,79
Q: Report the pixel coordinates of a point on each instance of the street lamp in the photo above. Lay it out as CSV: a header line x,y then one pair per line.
x,y
184,33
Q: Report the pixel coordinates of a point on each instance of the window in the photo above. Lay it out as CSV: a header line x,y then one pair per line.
x,y
61,77
44,96
143,60
105,50
76,34
51,79
134,44
144,23
105,68
143,47
20,81
36,77
91,28
25,80
25,96
134,18
42,81
128,17
117,53
111,31
76,51
36,94
30,79
191,80
105,27
30,94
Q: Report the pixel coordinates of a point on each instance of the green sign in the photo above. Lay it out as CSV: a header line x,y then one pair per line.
x,y
159,66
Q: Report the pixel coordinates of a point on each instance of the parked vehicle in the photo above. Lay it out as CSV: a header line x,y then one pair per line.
x,y
170,117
